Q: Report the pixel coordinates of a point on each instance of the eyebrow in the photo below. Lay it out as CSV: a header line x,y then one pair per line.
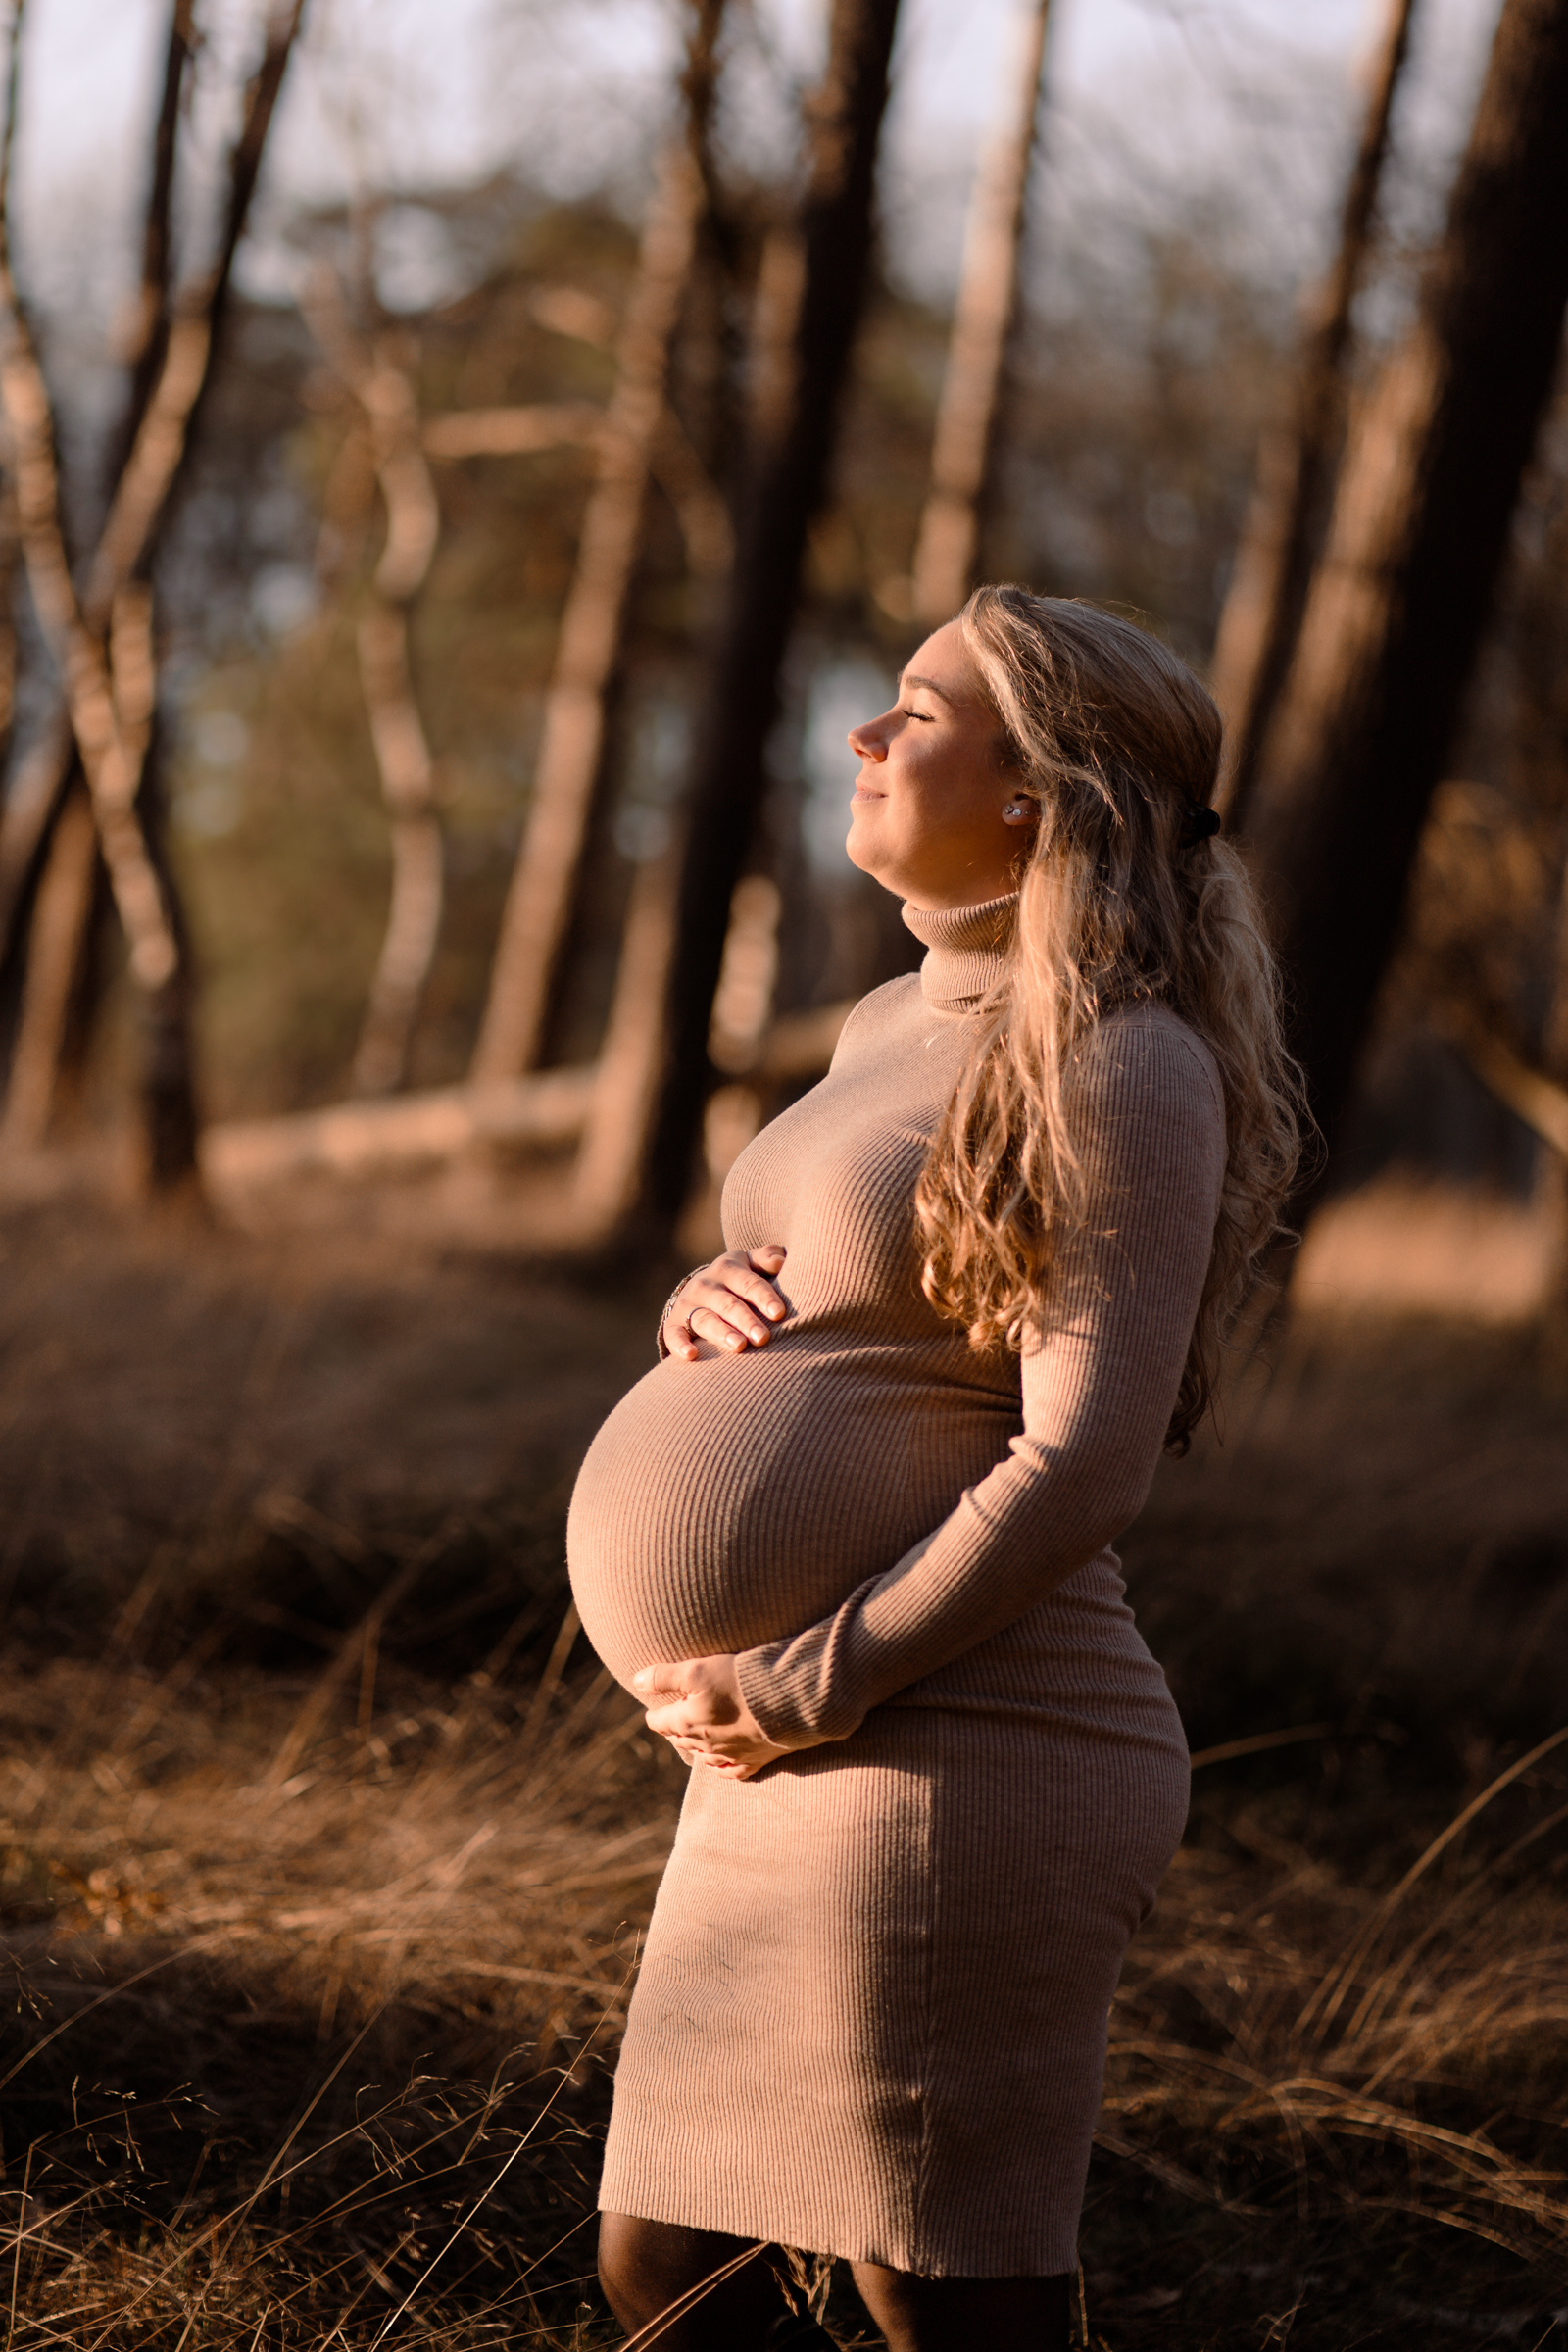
x,y
910,678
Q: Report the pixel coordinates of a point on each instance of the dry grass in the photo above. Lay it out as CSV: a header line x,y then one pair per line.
x,y
326,1855
297,2001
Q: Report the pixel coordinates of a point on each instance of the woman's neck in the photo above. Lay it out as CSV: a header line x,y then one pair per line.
x,y
966,951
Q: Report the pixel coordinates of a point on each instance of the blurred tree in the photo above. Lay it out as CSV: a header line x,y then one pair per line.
x,y
101,638
962,450
30,812
569,772
382,379
1273,566
819,275
1402,592
1555,1058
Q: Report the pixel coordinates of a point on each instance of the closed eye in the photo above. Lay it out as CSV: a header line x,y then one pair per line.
x,y
928,717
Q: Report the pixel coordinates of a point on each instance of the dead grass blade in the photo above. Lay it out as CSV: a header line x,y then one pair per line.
x,y
1325,2002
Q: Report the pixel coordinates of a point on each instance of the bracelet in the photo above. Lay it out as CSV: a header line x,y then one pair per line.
x,y
664,1312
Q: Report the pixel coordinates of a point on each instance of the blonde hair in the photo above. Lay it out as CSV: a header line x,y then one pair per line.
x,y
1118,904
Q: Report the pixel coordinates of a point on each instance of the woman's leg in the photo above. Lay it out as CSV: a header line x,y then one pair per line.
x,y
646,2266
965,2315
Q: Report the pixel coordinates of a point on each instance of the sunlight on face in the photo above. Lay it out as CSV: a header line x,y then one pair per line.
x,y
936,815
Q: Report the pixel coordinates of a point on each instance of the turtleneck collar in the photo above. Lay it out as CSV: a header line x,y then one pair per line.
x,y
966,951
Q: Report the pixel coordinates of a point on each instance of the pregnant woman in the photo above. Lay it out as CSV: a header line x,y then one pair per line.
x,y
849,1540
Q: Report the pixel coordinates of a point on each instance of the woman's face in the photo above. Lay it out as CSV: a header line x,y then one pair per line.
x,y
936,815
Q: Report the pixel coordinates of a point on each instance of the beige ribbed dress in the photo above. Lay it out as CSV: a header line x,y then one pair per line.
x,y
870,2019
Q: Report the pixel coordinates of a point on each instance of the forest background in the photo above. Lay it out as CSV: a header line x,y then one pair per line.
x,y
326,1849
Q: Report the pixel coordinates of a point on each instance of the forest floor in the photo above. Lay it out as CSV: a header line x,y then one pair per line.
x,y
325,1850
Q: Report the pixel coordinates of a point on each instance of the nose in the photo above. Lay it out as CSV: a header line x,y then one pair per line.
x,y
870,740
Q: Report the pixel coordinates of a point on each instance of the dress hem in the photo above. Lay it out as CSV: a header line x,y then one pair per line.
x,y
809,2236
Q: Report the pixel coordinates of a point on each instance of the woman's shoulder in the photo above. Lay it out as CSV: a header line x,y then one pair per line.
x,y
1143,1056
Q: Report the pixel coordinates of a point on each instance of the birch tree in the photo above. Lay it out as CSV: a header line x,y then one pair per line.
x,y
383,384
101,636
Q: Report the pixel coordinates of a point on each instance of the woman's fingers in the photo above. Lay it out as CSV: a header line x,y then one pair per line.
x,y
727,1316
737,1297
680,1340
672,1720
731,1323
652,1683
756,1280
733,1303
697,1705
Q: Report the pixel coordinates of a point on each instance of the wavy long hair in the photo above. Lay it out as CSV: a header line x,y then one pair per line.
x,y
1118,904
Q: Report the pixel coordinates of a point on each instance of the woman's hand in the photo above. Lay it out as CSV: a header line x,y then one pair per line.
x,y
730,1303
698,1707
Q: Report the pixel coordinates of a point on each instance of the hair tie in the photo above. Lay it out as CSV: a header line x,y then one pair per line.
x,y
1198,824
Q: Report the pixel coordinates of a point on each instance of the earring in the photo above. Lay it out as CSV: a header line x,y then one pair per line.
x,y
1018,812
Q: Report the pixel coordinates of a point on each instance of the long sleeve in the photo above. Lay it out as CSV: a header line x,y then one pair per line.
x,y
1097,1385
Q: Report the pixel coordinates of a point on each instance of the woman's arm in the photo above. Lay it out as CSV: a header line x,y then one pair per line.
x,y
1099,1387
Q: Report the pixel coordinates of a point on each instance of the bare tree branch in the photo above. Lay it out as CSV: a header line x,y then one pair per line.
x,y
673,462
112,771
164,433
73,628
144,344
387,395
1533,1095
102,642
513,432
39,797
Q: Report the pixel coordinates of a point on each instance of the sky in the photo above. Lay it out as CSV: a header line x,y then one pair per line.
x,y
1142,96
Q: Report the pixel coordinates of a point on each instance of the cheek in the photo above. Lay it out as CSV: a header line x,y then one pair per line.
x,y
954,803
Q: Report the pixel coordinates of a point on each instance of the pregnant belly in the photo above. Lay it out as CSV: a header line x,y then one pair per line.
x,y
732,1503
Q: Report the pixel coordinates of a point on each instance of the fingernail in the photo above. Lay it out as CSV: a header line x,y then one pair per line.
x,y
759,1335
775,1312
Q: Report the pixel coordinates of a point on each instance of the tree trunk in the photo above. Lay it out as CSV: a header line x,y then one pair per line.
x,y
419,879
788,481
382,379
55,938
988,294
148,339
604,1177
1554,1176
170,1104
537,919
1402,593
29,817
103,640
1273,571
